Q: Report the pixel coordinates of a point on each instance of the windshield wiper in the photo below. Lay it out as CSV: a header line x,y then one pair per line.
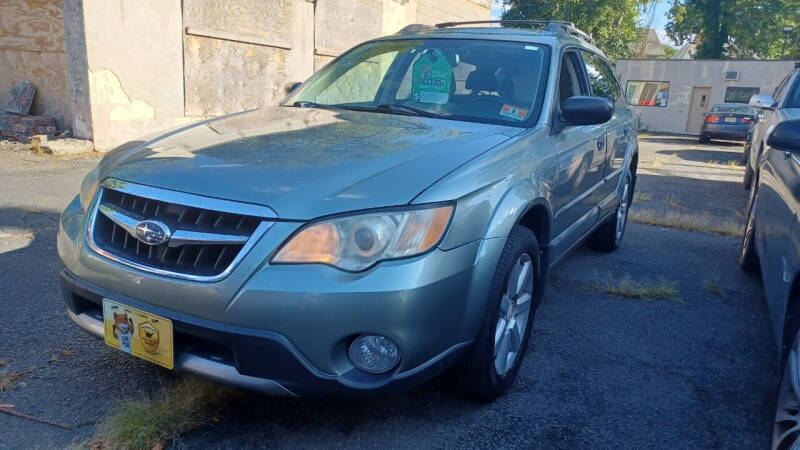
x,y
393,109
305,104
383,107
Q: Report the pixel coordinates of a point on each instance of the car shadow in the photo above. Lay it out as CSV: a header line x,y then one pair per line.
x,y
716,155
687,140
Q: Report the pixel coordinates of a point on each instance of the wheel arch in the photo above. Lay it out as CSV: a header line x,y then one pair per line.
x,y
538,218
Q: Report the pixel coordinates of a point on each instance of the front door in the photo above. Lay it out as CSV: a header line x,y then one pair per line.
x,y
581,159
701,104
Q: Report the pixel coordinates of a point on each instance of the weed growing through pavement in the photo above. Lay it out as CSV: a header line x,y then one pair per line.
x,y
713,285
147,423
671,200
661,288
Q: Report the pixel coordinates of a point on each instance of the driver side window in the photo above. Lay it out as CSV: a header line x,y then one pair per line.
x,y
569,82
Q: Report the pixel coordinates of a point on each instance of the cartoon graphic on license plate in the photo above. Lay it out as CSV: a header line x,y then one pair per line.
x,y
138,333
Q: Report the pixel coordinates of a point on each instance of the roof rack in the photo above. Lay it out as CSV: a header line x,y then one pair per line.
x,y
554,26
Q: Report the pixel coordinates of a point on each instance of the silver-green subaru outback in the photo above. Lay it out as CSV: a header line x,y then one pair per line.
x,y
395,217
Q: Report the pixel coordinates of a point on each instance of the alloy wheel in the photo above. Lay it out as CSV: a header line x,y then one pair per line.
x,y
515,309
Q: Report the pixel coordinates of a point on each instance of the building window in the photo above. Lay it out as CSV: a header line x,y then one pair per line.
x,y
647,93
740,94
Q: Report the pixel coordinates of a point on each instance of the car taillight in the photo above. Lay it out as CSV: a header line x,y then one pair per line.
x,y
712,118
747,119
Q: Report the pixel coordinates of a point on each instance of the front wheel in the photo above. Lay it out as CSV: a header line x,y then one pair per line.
x,y
500,345
786,429
608,236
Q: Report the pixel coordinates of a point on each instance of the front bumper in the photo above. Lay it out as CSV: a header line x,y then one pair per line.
x,y
284,329
250,359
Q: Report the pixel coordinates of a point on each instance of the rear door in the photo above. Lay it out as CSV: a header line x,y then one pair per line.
x,y
618,130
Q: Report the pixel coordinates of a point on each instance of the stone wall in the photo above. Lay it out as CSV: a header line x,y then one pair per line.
x,y
32,48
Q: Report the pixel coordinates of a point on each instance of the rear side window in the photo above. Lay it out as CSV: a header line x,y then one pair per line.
x,y
601,77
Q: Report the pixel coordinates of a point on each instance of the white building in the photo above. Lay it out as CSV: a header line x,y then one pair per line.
x,y
671,95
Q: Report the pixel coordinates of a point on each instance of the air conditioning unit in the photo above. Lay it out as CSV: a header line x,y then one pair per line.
x,y
730,75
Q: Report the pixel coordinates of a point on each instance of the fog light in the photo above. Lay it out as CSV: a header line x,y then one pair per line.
x,y
374,354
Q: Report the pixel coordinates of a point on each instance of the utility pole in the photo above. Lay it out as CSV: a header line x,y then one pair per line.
x,y
787,30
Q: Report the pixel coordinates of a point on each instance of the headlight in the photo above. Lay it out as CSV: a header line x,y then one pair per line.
x,y
358,242
88,189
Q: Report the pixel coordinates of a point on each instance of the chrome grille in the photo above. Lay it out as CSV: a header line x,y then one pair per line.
x,y
201,243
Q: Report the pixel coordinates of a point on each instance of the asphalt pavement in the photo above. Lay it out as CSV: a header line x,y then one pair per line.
x,y
602,371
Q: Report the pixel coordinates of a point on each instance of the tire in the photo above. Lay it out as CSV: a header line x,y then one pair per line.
x,y
748,258
786,427
488,371
704,139
608,236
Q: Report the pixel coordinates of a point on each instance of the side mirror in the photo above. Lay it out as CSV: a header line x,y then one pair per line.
x,y
290,86
583,110
786,136
763,101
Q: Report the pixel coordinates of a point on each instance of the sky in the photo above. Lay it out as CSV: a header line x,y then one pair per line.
x,y
659,20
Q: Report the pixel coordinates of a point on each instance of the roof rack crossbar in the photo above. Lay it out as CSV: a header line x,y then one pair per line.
x,y
549,25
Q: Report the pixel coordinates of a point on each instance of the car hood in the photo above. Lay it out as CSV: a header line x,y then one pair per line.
x,y
305,163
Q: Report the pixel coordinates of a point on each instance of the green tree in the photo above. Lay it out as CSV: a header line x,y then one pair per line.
x,y
669,51
734,28
612,23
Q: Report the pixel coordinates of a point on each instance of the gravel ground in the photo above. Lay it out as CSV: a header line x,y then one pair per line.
x,y
602,371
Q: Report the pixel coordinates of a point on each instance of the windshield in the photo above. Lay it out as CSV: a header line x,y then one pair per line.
x,y
473,80
736,109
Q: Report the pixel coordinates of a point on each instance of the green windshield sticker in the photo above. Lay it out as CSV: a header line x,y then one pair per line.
x,y
431,79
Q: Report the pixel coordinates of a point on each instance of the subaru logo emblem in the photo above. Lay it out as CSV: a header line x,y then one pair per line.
x,y
152,232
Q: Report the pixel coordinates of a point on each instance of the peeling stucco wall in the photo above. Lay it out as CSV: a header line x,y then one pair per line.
x,y
139,66
135,68
32,48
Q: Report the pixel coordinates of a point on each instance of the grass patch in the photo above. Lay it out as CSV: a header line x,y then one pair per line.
x,y
656,164
147,423
662,288
687,222
731,164
642,196
713,285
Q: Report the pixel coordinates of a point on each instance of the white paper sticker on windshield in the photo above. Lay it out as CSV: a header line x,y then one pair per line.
x,y
431,79
531,47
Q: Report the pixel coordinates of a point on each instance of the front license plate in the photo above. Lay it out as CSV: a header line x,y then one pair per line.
x,y
139,333
730,119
